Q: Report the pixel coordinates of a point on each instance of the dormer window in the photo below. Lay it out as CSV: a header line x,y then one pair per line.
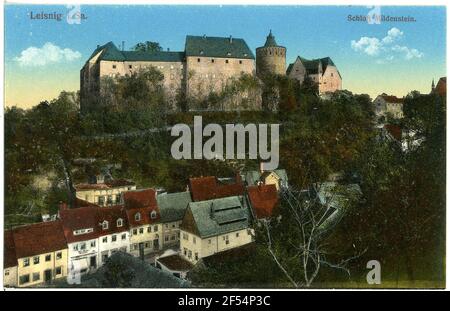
x,y
228,54
201,52
245,54
137,216
119,222
105,225
153,215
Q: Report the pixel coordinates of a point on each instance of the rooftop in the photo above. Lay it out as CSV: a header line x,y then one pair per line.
x,y
264,199
40,238
175,263
173,205
207,188
217,47
116,183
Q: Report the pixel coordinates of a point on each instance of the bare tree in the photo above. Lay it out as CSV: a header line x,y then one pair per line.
x,y
296,239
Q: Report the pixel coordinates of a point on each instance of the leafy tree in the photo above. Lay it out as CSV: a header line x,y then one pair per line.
x,y
147,46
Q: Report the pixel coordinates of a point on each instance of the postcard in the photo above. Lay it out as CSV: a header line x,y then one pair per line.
x,y
224,146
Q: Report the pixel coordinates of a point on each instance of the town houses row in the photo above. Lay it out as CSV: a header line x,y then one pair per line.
x,y
109,216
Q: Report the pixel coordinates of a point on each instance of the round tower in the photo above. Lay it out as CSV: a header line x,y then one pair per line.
x,y
270,58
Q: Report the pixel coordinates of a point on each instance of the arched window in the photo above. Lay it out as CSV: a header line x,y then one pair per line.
x,y
104,225
137,216
153,215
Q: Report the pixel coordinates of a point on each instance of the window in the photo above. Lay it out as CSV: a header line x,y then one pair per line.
x,y
124,236
237,234
36,260
105,225
105,239
147,244
153,215
209,241
119,222
110,200
194,240
36,276
212,60
118,198
173,237
114,238
137,216
104,257
141,230
134,231
135,246
101,200
185,251
173,225
196,256
92,243
155,228
185,237
166,238
149,229
6,272
189,254
167,226
240,62
130,66
226,61
23,279
48,257
331,74
58,270
114,66
198,60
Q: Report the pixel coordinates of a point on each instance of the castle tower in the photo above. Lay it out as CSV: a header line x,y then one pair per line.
x,y
270,58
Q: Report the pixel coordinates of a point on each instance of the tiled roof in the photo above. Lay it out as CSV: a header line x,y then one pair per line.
x,y
312,66
394,130
78,219
207,188
392,99
219,216
140,198
173,205
270,40
116,183
264,199
145,216
111,215
441,86
242,252
39,238
10,258
217,47
175,263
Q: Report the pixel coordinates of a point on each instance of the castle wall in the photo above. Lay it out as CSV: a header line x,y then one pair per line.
x,y
209,74
331,80
298,72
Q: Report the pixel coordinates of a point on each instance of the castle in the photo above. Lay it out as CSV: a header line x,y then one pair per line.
x,y
206,65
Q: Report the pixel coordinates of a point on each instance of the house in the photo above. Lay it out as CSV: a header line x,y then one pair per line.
x,y
321,71
172,207
407,139
81,229
173,263
208,188
104,193
263,200
144,219
114,235
440,88
276,177
388,105
40,252
213,226
9,261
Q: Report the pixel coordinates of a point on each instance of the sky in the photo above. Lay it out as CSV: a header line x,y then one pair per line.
x,y
44,56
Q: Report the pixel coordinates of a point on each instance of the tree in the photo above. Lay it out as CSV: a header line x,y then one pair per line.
x,y
147,46
296,239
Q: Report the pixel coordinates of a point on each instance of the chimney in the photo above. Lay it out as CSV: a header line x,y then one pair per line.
x,y
123,45
231,39
261,167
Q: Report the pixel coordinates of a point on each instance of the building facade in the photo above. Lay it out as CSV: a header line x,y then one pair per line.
x,y
105,193
214,226
388,105
270,58
41,254
322,72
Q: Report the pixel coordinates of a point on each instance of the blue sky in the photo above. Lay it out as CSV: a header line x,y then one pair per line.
x,y
379,59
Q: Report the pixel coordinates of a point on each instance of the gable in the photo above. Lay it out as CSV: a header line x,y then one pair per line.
x,y
189,224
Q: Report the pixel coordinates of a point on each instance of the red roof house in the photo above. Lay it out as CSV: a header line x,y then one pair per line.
x,y
263,199
208,188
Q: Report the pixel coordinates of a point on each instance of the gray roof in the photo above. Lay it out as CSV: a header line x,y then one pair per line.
x,y
172,206
217,47
220,216
312,65
112,53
